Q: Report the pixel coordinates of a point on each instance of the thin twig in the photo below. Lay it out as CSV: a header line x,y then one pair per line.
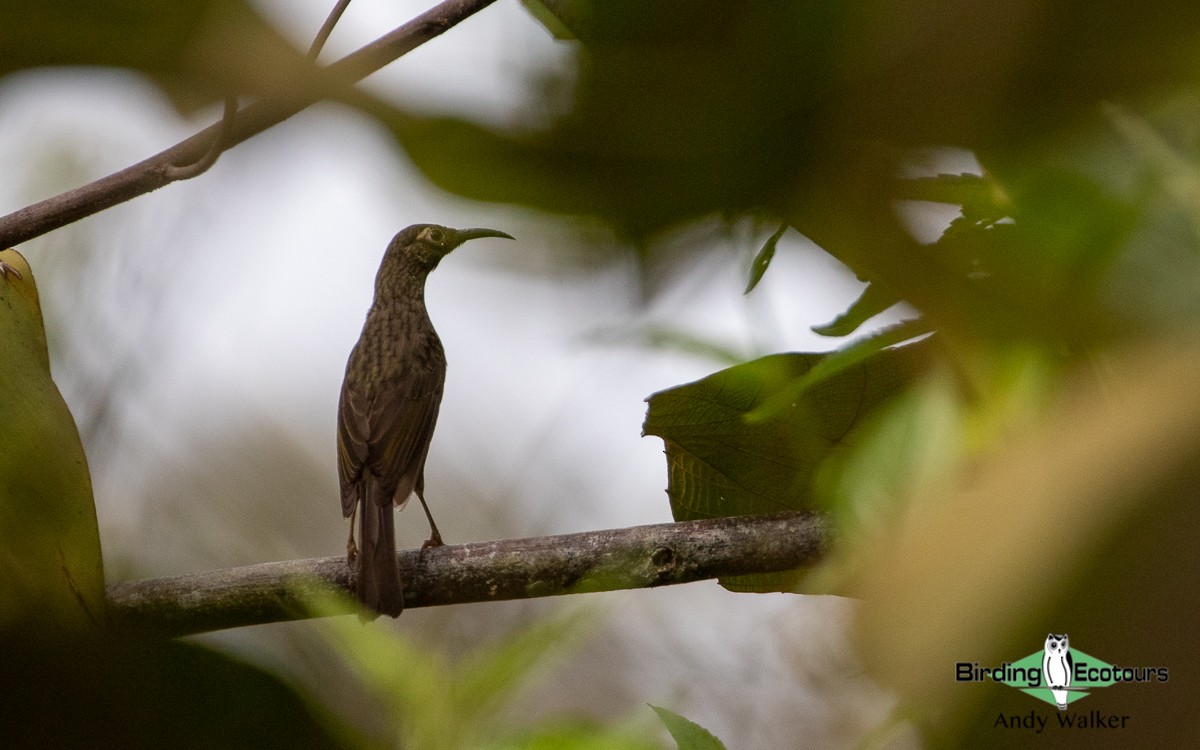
x,y
150,174
175,173
637,557
326,29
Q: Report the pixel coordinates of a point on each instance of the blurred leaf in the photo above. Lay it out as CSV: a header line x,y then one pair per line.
x,y
670,70
763,258
682,109
1068,228
493,675
579,735
108,692
554,175
1176,172
1040,275
546,14
912,450
720,462
1072,520
681,341
1151,162
51,571
196,50
873,300
688,735
970,190
671,340
809,111
434,702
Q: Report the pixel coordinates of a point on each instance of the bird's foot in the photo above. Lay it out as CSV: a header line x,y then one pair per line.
x,y
351,551
433,541
6,269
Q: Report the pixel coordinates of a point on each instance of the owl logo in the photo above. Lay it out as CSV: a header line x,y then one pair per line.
x,y
1057,667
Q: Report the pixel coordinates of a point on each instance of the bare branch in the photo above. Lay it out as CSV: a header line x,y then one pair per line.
x,y
150,174
637,557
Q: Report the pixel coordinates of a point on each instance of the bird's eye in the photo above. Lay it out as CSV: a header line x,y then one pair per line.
x,y
437,236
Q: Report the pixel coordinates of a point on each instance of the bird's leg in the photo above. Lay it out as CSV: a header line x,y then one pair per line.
x,y
6,269
435,539
351,547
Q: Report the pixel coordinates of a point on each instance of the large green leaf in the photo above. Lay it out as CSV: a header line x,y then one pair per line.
x,y
726,458
51,573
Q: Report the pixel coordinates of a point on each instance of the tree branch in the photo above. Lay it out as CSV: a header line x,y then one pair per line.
x,y
637,557
155,172
174,173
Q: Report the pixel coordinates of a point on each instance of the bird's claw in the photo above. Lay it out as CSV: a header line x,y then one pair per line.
x,y
6,269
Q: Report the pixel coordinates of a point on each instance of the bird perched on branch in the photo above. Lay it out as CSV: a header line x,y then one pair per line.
x,y
389,406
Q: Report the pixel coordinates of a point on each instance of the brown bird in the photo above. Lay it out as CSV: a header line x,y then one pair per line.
x,y
389,406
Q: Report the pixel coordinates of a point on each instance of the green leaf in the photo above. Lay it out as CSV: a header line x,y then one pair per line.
x,y
960,189
547,17
763,259
688,734
911,452
494,166
579,734
51,571
680,110
873,300
837,361
490,676
195,50
433,700
671,340
721,462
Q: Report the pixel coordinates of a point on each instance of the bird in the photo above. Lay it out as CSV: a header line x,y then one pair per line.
x,y
388,409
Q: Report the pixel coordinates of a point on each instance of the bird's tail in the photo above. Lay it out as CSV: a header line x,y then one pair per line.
x,y
378,576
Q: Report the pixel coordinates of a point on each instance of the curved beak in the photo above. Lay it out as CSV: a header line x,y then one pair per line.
x,y
462,235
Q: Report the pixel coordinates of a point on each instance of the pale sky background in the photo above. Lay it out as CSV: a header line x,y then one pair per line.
x,y
223,309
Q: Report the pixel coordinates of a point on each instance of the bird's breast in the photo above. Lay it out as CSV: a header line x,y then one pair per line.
x,y
396,343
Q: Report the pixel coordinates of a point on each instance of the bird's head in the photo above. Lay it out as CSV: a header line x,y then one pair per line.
x,y
426,244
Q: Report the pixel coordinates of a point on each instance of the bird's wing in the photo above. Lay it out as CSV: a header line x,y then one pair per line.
x,y
402,417
354,429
